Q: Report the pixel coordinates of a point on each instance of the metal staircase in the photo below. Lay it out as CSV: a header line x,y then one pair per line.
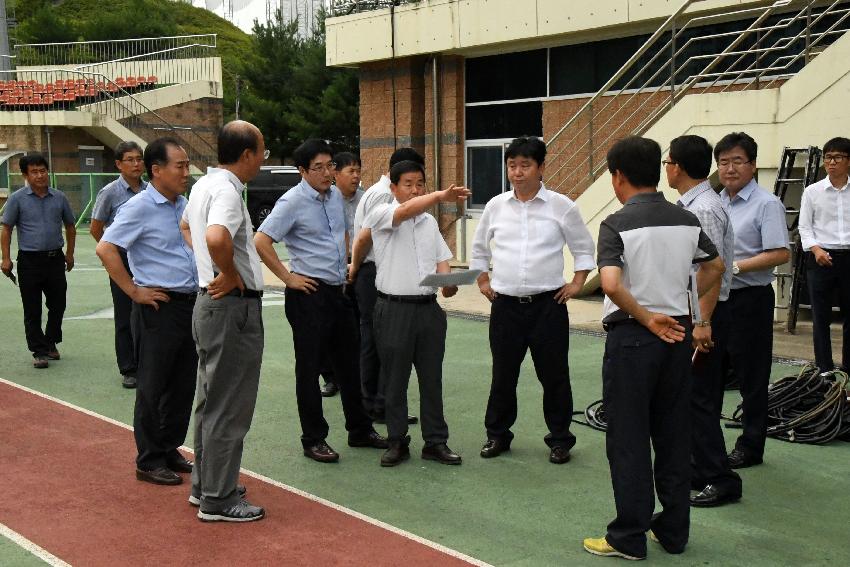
x,y
681,58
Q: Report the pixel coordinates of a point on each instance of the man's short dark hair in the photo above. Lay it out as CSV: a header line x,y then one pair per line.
x,y
306,152
693,155
841,145
403,167
527,147
344,159
34,159
737,140
638,159
125,147
233,139
406,154
157,153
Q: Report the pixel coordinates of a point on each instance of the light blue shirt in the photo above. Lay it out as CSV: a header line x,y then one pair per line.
x,y
111,197
313,227
148,227
39,219
758,220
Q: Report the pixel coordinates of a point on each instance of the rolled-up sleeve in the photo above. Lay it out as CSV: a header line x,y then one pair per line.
x,y
579,240
481,253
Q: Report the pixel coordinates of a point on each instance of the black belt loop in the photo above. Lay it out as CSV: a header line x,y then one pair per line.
x,y
415,299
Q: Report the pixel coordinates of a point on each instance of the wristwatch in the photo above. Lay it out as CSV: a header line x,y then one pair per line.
x,y
735,269
702,323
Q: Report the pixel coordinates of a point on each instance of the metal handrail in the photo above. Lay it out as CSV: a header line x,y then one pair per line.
x,y
137,39
729,69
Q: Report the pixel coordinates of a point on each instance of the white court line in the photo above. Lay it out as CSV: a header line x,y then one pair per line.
x,y
369,520
36,550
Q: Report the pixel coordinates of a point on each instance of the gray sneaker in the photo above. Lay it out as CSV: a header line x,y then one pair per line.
x,y
239,512
240,490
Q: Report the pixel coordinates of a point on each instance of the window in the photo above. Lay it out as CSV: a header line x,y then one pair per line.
x,y
504,120
511,76
485,173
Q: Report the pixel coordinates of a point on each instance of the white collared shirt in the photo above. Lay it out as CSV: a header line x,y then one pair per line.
x,y
525,241
825,216
216,199
406,253
378,194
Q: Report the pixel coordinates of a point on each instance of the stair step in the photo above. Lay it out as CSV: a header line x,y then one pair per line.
x,y
790,180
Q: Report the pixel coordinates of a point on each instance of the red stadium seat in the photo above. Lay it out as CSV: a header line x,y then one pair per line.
x,y
152,80
112,87
48,99
69,83
132,82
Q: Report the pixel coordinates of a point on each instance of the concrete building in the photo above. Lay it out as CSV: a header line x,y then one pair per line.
x,y
580,75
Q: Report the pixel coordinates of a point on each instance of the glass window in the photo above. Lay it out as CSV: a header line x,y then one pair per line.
x,y
510,76
485,173
493,121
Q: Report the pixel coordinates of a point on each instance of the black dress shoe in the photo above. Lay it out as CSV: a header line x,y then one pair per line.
x,y
710,496
329,389
559,455
179,463
371,440
128,381
321,452
738,459
161,475
412,419
494,448
440,453
53,353
397,453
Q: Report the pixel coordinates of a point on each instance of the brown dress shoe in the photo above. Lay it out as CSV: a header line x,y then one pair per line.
x,y
559,455
321,452
53,353
161,475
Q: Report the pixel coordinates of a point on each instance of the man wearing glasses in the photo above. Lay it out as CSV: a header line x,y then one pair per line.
x,y
129,162
761,244
310,219
825,232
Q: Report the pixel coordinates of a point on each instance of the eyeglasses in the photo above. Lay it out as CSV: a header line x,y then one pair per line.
x,y
318,168
669,162
835,158
266,154
736,162
133,161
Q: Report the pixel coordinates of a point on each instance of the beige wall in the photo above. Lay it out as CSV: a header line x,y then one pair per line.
x,y
478,27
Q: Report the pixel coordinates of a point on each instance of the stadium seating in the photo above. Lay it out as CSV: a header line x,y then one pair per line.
x,y
65,94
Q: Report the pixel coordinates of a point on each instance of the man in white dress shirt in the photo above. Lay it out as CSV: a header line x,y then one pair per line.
x,y
825,232
410,327
523,233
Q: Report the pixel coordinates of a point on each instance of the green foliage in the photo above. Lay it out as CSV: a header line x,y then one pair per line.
x,y
45,25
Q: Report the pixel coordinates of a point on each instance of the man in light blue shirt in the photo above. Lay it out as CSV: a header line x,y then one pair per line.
x,y
761,244
128,160
163,288
39,212
310,220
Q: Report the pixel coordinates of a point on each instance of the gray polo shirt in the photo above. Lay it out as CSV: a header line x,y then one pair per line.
x,y
39,219
111,197
758,219
654,242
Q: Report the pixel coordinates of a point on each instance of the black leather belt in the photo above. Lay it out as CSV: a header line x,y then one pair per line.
x,y
837,251
528,298
236,292
418,299
685,320
178,296
43,253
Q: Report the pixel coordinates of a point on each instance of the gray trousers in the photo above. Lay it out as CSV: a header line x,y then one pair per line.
x,y
228,333
412,335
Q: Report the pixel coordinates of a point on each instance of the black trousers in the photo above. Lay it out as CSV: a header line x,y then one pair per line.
x,y
824,282
327,371
122,306
411,335
543,327
166,375
371,379
324,327
709,463
646,387
42,273
750,349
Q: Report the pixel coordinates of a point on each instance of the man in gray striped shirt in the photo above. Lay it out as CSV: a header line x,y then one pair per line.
x,y
687,168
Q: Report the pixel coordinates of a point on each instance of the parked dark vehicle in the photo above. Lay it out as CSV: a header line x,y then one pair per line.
x,y
266,188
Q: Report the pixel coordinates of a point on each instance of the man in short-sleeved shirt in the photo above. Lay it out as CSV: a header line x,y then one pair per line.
x,y
761,244
410,327
163,288
645,253
228,324
310,220
39,212
128,160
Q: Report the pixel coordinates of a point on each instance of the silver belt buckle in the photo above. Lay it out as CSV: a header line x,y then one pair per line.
x,y
525,299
